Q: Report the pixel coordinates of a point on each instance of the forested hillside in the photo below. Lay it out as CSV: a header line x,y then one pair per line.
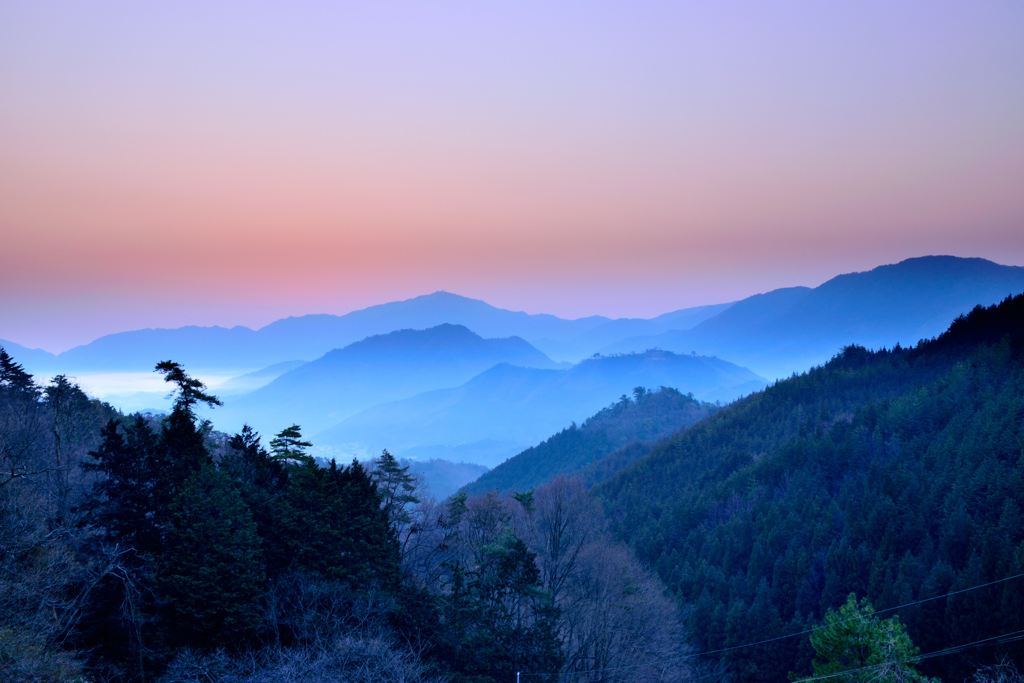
x,y
640,420
896,475
152,548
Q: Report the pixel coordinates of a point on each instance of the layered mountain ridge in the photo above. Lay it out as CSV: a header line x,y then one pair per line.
x,y
507,408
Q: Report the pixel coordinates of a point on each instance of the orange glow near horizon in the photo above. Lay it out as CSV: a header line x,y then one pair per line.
x,y
196,165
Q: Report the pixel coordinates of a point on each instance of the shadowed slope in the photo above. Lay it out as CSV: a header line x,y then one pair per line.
x,y
641,420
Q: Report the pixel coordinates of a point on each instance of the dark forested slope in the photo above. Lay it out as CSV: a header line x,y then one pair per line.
x,y
643,419
895,474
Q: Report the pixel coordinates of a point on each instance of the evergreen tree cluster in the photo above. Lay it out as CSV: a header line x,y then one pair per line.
x,y
143,548
895,474
184,555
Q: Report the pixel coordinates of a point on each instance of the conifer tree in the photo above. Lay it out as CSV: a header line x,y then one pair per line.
x,y
190,392
13,376
288,448
263,484
396,486
211,571
855,646
123,501
336,527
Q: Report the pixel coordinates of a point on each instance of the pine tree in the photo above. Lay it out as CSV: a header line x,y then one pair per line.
x,y
190,390
855,646
288,447
211,573
14,378
396,486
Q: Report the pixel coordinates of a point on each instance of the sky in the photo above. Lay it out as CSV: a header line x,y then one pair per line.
x,y
164,164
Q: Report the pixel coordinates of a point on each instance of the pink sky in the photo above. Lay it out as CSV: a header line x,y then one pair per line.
x,y
162,166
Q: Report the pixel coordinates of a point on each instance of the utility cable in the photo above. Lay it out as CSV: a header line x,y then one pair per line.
x,y
1002,638
805,631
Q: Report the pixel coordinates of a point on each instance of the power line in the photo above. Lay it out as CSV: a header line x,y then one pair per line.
x,y
843,621
1010,637
807,631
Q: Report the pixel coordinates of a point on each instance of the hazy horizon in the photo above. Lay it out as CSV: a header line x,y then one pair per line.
x,y
265,320
191,164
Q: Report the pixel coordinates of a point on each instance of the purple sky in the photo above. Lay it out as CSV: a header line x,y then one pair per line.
x,y
233,163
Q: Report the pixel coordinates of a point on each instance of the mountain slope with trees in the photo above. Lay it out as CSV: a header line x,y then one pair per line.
x,y
896,475
639,420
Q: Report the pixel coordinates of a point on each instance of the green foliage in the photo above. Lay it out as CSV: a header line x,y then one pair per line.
x,y
602,445
190,390
336,527
211,573
855,646
895,474
289,448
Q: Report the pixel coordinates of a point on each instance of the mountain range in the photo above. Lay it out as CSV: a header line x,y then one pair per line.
x,y
790,330
775,333
241,349
507,408
340,376
374,370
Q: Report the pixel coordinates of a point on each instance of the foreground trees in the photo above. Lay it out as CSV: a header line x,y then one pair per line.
x,y
855,646
536,575
172,553
201,541
46,575
894,473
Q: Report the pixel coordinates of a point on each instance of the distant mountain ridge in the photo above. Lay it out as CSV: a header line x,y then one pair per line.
x,y
308,337
377,369
775,333
36,360
790,330
519,406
